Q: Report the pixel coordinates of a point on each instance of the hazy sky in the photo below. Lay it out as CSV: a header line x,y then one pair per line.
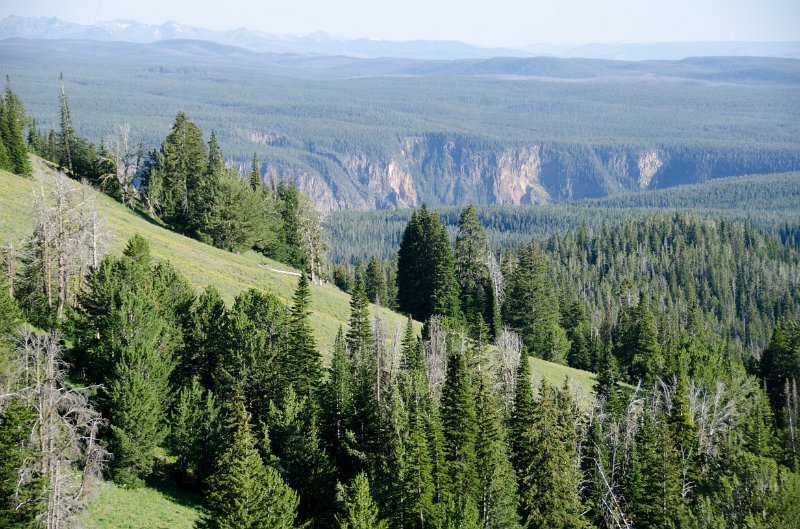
x,y
487,22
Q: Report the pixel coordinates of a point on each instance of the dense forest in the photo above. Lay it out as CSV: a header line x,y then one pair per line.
x,y
114,367
346,134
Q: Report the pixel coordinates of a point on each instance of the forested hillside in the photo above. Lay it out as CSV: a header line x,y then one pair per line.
x,y
172,334
768,202
373,134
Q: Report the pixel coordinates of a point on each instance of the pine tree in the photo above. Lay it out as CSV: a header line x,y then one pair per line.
x,y
216,160
13,132
376,282
549,486
195,433
203,340
10,321
531,307
336,404
417,486
637,344
305,464
460,430
359,511
359,333
18,506
242,493
138,392
606,388
472,272
497,500
426,282
66,133
178,168
521,425
303,367
255,175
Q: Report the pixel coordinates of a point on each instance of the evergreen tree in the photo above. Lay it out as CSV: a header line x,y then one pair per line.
x,y
471,267
243,493
255,175
359,511
216,160
780,364
305,464
460,430
19,507
137,394
550,484
417,482
531,307
195,433
606,388
66,133
176,174
303,367
497,500
336,405
426,282
376,282
10,320
521,424
652,479
13,132
359,333
203,340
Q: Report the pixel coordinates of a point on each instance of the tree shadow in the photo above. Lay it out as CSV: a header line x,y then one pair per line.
x,y
187,497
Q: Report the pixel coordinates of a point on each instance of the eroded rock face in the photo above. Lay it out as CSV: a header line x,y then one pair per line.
x,y
440,170
516,180
649,163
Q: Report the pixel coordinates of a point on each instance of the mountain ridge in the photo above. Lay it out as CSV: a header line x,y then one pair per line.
x,y
322,43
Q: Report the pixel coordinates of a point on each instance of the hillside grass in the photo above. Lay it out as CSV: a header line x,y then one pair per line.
x,y
201,264
159,504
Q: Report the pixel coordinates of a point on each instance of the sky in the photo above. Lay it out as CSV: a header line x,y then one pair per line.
x,y
487,22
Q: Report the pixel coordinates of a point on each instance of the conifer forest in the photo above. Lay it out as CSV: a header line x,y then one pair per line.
x,y
620,359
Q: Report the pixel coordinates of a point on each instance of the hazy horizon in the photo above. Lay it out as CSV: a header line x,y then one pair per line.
x,y
508,24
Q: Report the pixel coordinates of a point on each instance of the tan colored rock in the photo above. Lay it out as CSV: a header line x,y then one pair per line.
x,y
517,180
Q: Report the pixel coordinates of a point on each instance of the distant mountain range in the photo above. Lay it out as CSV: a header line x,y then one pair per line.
x,y
323,44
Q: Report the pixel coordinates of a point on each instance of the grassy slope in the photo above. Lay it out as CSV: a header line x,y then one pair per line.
x,y
201,264
160,506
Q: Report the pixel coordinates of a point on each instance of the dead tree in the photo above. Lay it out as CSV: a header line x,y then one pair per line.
x,y
64,433
125,156
504,367
436,356
68,238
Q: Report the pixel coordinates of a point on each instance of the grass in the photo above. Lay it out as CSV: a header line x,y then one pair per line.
x,y
201,264
159,504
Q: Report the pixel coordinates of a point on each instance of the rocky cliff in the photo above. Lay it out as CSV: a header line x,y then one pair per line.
x,y
439,169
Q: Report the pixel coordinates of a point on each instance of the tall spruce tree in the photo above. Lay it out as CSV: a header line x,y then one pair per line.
x,y
12,128
497,499
549,490
472,272
66,133
243,493
375,278
460,430
176,174
359,332
255,175
336,408
531,307
303,367
426,282
138,392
